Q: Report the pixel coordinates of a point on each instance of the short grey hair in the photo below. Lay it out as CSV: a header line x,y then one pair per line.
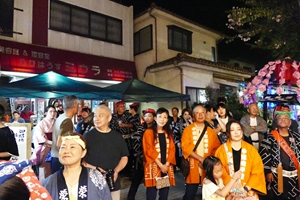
x,y
104,107
69,101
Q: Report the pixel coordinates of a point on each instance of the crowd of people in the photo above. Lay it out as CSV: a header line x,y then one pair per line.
x,y
226,158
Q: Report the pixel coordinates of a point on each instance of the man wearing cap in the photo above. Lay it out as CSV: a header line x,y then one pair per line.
x,y
121,120
293,126
254,126
280,155
84,126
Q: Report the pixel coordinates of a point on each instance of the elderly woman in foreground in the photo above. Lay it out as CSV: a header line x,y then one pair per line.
x,y
75,181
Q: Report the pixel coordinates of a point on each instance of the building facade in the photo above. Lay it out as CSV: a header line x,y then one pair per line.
x,y
84,39
180,55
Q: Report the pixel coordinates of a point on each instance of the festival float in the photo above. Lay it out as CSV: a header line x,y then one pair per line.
x,y
278,82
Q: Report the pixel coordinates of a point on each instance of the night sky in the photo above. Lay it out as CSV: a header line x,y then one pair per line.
x,y
212,14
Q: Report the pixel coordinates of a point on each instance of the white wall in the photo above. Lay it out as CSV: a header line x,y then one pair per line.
x,y
96,47
22,22
202,40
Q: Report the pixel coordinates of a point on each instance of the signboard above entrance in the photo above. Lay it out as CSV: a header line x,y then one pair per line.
x,y
19,57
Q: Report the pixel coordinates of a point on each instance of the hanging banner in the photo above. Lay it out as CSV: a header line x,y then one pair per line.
x,y
19,57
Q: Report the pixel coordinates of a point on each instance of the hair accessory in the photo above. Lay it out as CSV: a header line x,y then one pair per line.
x,y
134,105
278,113
149,110
120,103
76,138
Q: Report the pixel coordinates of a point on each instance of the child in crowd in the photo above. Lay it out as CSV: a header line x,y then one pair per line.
x,y
213,187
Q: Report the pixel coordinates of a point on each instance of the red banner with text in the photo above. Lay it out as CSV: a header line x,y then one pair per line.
x,y
19,57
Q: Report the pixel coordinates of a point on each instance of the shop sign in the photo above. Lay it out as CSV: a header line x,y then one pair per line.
x,y
20,57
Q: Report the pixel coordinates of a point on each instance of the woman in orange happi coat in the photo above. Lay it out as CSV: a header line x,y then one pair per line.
x,y
237,154
159,154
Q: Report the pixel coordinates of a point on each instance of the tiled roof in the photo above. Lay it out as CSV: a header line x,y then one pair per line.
x,y
183,57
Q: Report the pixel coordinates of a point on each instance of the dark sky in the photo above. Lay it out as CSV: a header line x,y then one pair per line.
x,y
209,13
212,14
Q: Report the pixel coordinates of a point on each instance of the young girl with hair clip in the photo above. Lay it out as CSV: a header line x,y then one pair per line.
x,y
213,187
159,154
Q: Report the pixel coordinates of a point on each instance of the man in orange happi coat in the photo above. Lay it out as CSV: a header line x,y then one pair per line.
x,y
208,145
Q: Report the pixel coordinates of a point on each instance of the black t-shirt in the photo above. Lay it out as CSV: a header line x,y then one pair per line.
x,y
236,159
105,150
8,142
163,149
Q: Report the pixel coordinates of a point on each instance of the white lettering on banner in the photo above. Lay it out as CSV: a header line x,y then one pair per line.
x,y
82,66
23,62
37,57
41,64
47,56
25,53
49,65
31,63
15,52
40,55
8,50
34,54
57,66
97,69
70,67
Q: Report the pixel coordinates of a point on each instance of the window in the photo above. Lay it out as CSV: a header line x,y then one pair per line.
x,y
143,40
6,17
198,95
78,21
179,39
213,54
236,64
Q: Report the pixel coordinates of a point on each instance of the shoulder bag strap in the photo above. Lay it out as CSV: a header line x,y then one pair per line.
x,y
200,138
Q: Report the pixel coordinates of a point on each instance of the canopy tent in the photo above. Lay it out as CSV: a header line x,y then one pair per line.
x,y
135,90
53,85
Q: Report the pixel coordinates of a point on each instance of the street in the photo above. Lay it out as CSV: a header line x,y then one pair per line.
x,y
175,193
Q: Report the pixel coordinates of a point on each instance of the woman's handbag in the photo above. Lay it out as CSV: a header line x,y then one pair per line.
x,y
162,182
185,167
185,163
222,137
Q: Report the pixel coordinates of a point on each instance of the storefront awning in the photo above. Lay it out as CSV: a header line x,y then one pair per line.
x,y
138,91
53,85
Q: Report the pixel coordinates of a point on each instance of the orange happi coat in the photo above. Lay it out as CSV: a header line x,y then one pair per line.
x,y
188,142
253,168
151,152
